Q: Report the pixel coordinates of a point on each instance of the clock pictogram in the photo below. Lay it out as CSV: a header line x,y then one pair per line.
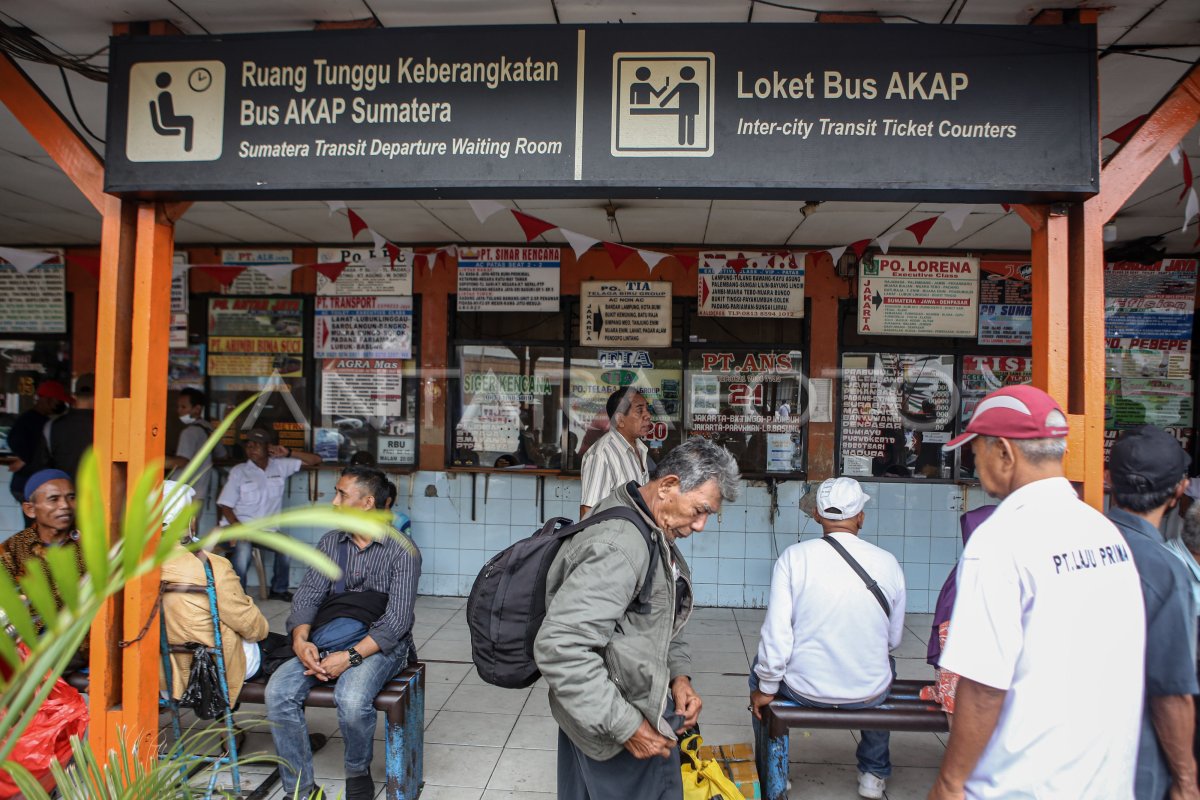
x,y
200,79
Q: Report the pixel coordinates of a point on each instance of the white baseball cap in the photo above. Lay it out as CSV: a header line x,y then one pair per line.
x,y
177,497
840,498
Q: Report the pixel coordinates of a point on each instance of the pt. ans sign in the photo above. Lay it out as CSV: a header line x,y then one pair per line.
x,y
815,111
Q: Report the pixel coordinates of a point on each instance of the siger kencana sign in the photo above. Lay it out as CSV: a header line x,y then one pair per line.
x,y
760,110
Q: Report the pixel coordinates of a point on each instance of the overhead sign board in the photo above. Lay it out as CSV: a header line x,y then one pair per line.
x,y
937,112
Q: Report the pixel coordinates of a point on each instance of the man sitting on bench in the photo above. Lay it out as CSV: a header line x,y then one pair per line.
x,y
829,626
358,629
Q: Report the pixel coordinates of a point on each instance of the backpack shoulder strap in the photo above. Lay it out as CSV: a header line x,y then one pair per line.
x,y
871,583
640,603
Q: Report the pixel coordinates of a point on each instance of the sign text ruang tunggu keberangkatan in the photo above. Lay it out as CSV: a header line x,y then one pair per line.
x,y
867,111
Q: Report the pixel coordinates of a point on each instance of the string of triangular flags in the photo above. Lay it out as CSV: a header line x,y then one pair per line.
x,y
1179,159
534,227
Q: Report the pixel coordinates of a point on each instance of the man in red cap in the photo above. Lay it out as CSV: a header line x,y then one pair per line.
x,y
1048,629
50,400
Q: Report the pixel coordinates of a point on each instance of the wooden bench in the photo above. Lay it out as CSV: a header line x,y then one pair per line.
x,y
902,710
402,701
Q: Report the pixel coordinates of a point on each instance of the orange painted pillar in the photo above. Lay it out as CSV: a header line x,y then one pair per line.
x,y
131,396
1086,329
824,289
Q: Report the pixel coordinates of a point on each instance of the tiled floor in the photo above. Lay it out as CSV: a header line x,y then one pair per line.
x,y
499,744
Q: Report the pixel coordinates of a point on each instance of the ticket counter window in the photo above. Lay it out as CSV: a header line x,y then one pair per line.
x,y
24,364
597,373
509,409
898,410
368,405
752,403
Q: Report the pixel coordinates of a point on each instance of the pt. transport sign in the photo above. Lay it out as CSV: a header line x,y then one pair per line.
x,y
814,111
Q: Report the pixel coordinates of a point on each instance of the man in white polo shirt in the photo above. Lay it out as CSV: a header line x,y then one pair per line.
x,y
1048,630
827,633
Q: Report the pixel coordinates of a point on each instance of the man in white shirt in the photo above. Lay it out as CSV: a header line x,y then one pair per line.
x,y
189,405
827,635
254,490
1048,630
618,456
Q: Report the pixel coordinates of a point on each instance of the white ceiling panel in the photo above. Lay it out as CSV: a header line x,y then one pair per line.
x,y
1009,232
650,225
835,228
751,226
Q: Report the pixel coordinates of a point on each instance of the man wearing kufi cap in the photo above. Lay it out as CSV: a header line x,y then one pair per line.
x,y
828,632
1048,631
50,502
1147,474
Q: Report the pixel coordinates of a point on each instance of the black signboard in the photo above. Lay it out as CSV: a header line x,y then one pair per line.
x,y
814,111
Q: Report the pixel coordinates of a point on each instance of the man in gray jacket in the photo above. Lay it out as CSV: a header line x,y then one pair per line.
x,y
619,684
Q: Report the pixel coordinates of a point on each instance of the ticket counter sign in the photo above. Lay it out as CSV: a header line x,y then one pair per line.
x,y
508,278
625,314
267,271
926,295
34,301
738,284
366,271
718,110
363,327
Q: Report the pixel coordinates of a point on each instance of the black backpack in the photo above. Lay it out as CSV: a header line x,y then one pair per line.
x,y
508,600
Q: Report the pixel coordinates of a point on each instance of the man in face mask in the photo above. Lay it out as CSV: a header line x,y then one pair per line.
x,y
189,405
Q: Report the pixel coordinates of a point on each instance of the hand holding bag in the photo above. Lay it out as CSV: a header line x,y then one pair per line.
x,y
704,779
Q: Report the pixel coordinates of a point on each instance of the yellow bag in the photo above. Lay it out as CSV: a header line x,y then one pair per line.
x,y
704,779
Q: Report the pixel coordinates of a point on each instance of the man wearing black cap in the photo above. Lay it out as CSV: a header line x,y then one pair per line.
x,y
254,490
50,502
1147,474
68,437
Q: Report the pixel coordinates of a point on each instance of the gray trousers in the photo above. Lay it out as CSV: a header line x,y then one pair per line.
x,y
622,777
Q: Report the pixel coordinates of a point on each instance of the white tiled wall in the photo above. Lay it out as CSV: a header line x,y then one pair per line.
x,y
731,559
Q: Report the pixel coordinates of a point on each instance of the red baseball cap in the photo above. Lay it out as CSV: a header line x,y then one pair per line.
x,y
55,391
1014,412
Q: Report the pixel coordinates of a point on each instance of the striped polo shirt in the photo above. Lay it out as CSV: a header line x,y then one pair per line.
x,y
609,463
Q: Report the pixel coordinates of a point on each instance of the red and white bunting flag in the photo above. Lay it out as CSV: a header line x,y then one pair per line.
x,y
25,260
357,225
1187,178
450,250
335,205
651,258
392,252
688,262
179,268
275,272
221,273
885,241
1176,153
921,229
532,226
618,252
1193,208
579,242
1007,208
88,263
484,209
379,240
835,254
860,247
957,214
332,271
421,260
1122,134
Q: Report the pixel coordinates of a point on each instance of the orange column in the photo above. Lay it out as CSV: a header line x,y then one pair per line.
x,y
1086,328
823,288
131,394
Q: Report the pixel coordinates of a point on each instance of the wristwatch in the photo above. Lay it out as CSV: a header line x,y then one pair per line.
x,y
355,658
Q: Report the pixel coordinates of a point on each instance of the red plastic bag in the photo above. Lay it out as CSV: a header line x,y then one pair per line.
x,y
48,737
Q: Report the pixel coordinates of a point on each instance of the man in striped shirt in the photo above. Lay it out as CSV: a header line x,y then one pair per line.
x,y
618,456
356,630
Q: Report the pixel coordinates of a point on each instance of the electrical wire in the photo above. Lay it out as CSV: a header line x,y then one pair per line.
x,y
22,44
74,108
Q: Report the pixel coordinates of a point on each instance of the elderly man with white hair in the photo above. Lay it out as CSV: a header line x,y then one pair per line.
x,y
188,617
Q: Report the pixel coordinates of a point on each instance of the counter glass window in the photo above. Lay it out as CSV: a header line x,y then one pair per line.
x,y
597,373
982,375
257,344
751,402
368,405
898,410
510,401
24,364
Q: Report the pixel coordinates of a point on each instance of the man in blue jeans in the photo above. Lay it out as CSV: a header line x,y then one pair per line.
x,y
356,630
827,636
